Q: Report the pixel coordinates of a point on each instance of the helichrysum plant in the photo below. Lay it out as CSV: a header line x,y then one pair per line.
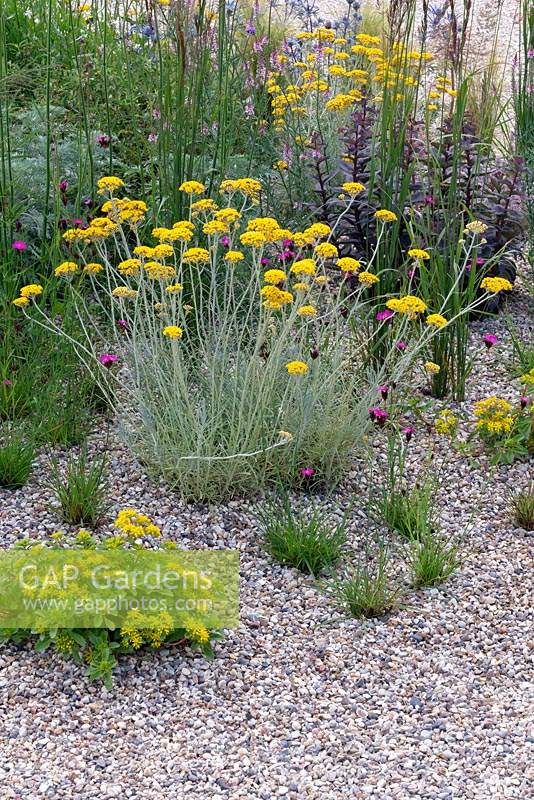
x,y
306,540
235,345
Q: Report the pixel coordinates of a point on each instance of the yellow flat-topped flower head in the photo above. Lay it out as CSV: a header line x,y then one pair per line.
x,y
436,321
307,311
66,268
274,276
353,188
31,290
192,187
432,368
196,255
109,183
368,279
173,332
417,253
20,302
384,215
496,285
348,264
297,367
326,250
233,256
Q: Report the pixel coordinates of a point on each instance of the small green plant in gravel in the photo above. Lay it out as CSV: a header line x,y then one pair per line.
x,y
302,539
16,459
408,510
432,559
368,591
522,507
79,490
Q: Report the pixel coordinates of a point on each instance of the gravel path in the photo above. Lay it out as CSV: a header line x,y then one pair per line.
x,y
434,701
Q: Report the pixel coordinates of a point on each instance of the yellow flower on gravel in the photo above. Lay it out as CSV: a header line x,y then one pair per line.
x,y
421,255
528,377
368,279
307,311
132,523
326,250
436,321
494,415
173,332
20,302
31,290
306,266
66,268
274,276
196,255
348,264
192,187
198,633
496,285
385,216
353,188
446,422
432,368
297,367
234,255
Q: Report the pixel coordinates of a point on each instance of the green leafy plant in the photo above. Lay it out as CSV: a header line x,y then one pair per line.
x,y
79,489
368,590
16,460
522,507
409,510
432,559
302,539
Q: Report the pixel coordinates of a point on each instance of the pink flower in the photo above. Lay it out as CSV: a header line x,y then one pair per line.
x,y
107,359
382,315
408,432
152,138
18,244
103,140
307,472
384,391
7,382
524,401
225,241
489,340
264,261
378,416
401,345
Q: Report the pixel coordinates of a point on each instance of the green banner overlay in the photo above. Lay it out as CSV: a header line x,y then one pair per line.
x,y
63,588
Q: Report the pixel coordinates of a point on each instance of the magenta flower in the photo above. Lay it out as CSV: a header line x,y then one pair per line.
x,y
122,324
429,200
264,261
225,241
384,391
489,340
18,244
480,261
378,416
408,432
524,401
103,140
7,382
401,345
108,359
152,137
384,314
307,472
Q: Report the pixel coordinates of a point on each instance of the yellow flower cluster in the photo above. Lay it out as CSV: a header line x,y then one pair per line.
x,y
420,255
409,305
446,422
274,298
197,633
348,264
436,321
496,285
173,332
132,523
368,279
528,377
494,415
297,367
